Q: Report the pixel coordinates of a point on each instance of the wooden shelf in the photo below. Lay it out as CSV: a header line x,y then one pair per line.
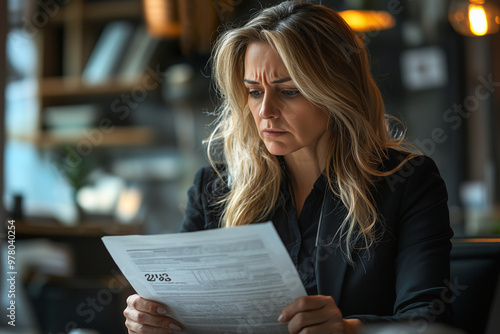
x,y
83,229
119,136
75,87
109,10
101,11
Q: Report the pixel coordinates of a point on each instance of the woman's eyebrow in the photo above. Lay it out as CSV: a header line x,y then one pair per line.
x,y
281,80
250,82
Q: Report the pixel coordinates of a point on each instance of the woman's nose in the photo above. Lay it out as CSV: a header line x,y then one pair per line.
x,y
269,107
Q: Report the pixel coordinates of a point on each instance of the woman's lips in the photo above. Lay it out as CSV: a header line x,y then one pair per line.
x,y
273,133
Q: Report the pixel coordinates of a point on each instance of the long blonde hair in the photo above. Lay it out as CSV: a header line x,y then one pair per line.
x,y
329,64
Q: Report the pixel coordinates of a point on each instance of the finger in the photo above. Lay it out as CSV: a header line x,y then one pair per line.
x,y
147,319
136,328
327,327
316,321
304,304
307,318
144,305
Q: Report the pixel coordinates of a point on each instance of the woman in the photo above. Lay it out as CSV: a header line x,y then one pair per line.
x,y
302,140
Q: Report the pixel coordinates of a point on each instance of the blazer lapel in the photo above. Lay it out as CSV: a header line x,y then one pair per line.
x,y
331,262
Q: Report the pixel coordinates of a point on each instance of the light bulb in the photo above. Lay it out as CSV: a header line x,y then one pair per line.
x,y
474,17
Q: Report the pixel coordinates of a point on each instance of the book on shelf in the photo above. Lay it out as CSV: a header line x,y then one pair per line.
x,y
108,52
71,117
138,55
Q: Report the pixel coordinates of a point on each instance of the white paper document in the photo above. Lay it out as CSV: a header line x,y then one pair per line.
x,y
228,280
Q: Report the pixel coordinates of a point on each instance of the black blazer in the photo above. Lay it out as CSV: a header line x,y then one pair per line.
x,y
404,276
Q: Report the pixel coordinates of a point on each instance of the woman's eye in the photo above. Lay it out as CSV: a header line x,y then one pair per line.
x,y
291,92
254,93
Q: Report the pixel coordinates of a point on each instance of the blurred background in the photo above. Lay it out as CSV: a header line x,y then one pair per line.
x,y
104,105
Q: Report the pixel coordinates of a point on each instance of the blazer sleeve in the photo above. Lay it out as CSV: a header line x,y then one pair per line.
x,y
422,262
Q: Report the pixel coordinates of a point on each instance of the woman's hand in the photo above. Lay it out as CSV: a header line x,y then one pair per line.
x,y
145,316
317,314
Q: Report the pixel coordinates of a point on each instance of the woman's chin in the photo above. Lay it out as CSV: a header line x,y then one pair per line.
x,y
277,149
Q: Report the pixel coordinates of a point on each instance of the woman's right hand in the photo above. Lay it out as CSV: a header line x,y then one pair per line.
x,y
145,316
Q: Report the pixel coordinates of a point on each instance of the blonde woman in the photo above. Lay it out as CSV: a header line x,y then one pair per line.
x,y
302,140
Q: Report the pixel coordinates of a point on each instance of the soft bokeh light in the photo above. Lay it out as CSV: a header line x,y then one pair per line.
x,y
162,18
477,18
474,17
368,20
128,204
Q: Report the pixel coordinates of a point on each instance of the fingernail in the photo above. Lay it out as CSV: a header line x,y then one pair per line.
x,y
280,318
161,310
175,327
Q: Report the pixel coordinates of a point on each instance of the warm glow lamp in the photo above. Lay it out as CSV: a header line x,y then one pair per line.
x,y
368,20
162,18
474,17
364,16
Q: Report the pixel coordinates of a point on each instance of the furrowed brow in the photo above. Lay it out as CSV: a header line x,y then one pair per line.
x,y
250,82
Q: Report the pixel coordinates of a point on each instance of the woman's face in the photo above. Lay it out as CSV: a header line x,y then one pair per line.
x,y
288,123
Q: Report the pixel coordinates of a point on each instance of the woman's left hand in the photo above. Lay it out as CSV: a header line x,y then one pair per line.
x,y
317,314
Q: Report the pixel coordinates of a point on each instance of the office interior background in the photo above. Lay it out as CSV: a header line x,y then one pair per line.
x,y
105,104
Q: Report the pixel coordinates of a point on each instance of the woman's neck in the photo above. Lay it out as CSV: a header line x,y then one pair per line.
x,y
303,174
